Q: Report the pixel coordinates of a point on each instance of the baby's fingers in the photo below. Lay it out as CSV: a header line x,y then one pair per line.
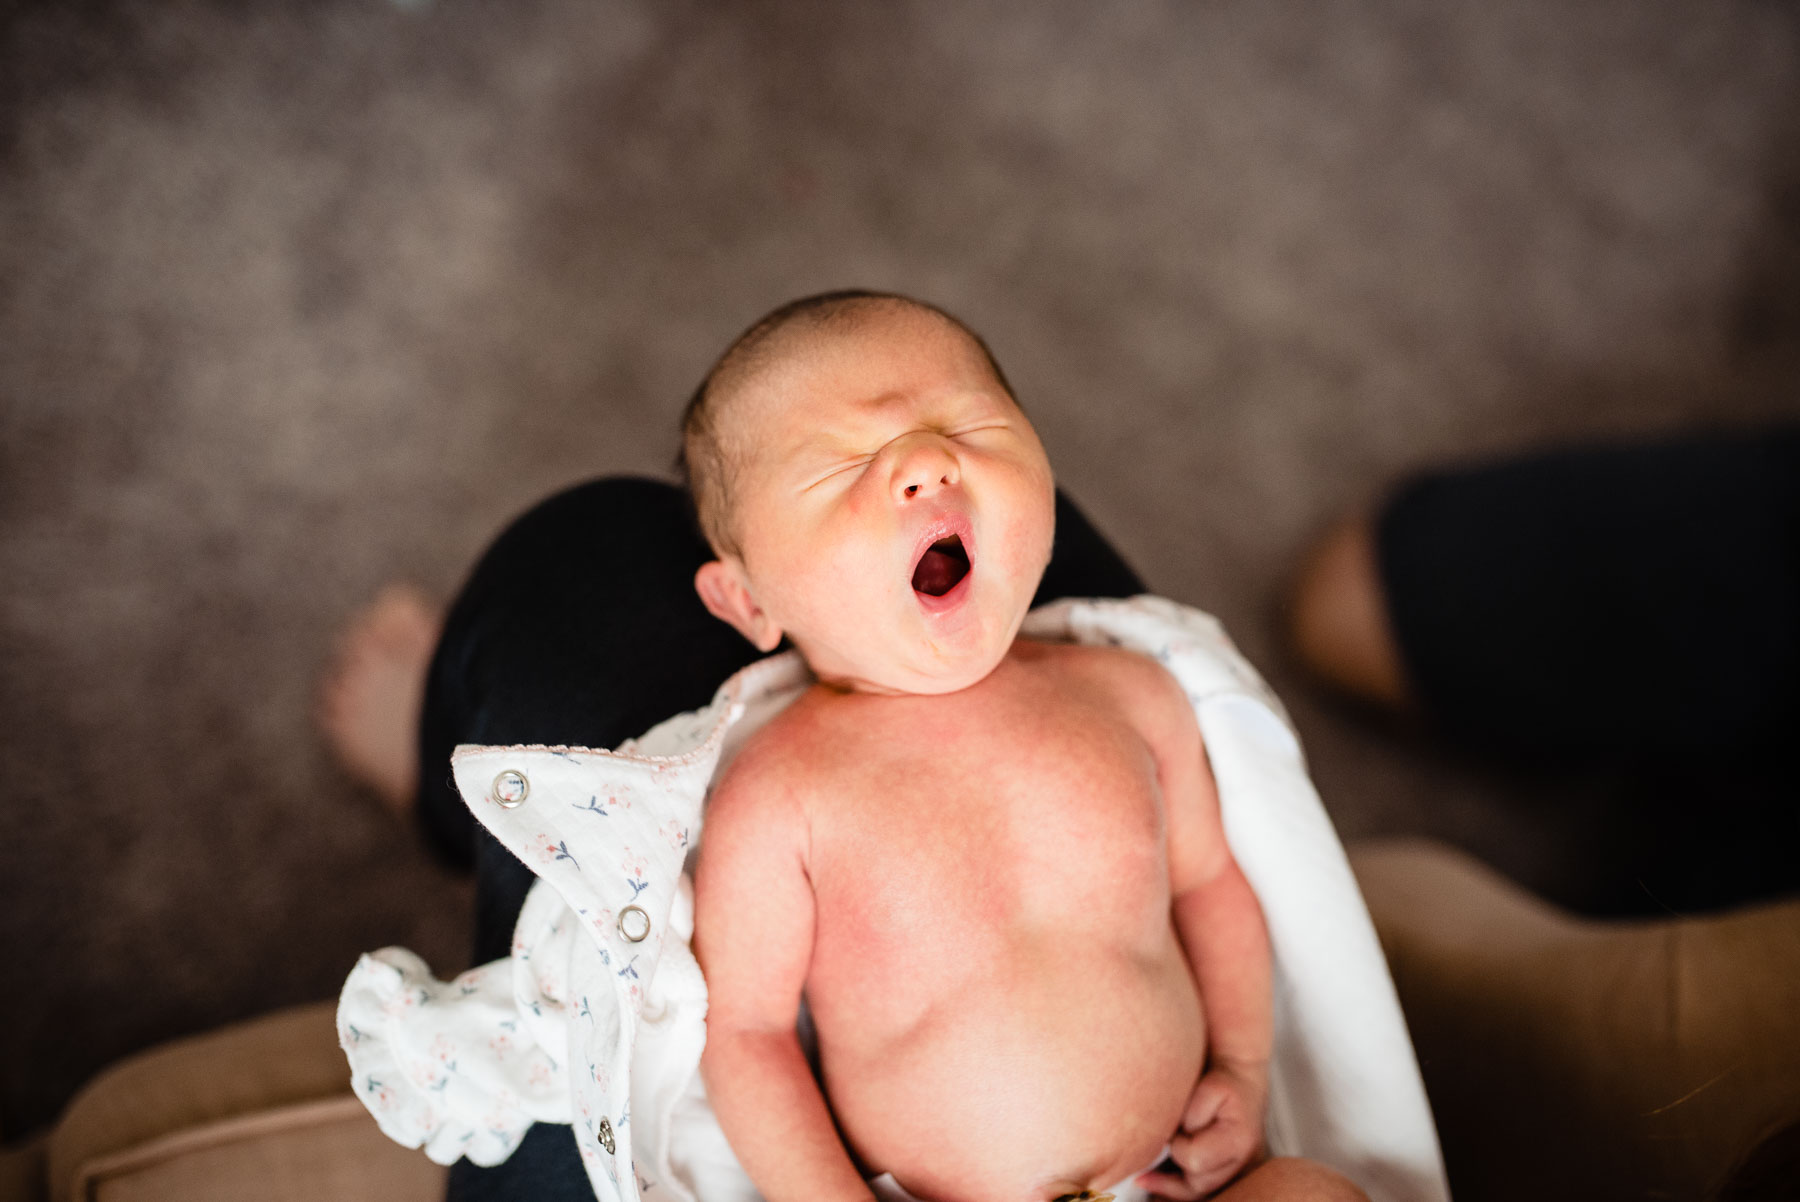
x,y
1211,1158
1169,1185
1203,1107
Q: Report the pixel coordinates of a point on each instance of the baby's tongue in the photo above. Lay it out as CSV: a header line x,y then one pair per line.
x,y
937,573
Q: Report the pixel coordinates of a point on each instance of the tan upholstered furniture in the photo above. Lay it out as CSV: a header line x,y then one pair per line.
x,y
1586,1060
260,1110
1565,1060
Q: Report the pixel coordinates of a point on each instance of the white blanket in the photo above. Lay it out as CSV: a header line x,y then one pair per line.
x,y
598,1017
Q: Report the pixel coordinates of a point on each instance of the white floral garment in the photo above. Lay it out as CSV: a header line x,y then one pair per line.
x,y
597,1019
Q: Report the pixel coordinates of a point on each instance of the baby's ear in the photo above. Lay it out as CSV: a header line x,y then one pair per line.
x,y
726,595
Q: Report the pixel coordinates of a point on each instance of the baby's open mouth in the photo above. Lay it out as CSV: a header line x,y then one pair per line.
x,y
941,567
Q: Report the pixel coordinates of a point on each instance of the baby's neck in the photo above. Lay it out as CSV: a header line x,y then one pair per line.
x,y
852,684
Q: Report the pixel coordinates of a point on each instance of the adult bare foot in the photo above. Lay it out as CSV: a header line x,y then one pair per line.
x,y
370,699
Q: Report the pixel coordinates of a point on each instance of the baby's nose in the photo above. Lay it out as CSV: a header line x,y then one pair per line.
x,y
923,468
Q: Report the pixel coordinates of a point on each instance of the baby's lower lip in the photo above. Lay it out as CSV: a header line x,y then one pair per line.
x,y
950,600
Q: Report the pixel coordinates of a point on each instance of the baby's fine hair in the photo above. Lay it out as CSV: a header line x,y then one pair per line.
x,y
706,463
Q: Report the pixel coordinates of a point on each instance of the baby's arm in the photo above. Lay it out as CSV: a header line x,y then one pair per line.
x,y
1221,927
753,935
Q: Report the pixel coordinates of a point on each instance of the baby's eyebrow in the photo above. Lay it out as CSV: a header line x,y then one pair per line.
x,y
824,442
821,452
840,435
841,438
881,400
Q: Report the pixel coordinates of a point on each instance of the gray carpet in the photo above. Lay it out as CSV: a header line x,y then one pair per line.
x,y
297,299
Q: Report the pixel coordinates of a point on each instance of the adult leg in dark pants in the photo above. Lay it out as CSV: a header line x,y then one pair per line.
x,y
580,626
1628,609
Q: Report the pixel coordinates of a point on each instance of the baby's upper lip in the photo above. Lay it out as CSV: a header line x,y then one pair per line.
x,y
940,526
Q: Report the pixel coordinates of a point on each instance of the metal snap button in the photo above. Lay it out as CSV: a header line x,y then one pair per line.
x,y
511,789
634,924
606,1137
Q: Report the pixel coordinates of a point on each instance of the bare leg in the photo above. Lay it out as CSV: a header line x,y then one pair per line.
x,y
1338,620
370,699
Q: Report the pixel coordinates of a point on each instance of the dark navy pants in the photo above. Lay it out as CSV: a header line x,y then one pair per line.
x,y
1629,612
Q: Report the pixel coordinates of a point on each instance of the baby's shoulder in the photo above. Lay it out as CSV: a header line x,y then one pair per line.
x,y
777,761
1133,675
1130,682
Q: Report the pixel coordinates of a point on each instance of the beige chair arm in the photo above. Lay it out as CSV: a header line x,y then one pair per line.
x,y
1568,1058
261,1108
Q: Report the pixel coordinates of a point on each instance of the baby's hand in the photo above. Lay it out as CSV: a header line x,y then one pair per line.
x,y
1221,1134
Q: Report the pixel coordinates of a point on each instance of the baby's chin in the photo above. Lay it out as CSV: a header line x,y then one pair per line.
x,y
915,652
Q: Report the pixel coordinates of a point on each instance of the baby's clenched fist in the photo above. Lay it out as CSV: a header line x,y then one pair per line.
x,y
1221,1135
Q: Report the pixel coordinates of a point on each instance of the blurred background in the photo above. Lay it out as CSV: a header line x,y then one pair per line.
x,y
295,300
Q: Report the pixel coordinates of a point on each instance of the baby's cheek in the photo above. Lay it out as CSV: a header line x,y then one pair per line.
x,y
839,596
1026,544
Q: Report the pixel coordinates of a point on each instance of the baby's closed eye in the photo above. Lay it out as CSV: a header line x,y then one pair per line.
x,y
837,470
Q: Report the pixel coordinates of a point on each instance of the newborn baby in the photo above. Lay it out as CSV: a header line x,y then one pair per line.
x,y
993,868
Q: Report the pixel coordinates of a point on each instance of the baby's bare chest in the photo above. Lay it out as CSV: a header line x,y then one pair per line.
x,y
990,825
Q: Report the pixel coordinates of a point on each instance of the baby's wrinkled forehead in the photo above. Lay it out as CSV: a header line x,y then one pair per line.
x,y
751,388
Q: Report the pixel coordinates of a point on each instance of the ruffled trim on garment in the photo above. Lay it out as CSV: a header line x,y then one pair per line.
x,y
408,1037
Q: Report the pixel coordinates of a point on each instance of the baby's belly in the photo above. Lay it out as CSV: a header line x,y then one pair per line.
x,y
1047,1073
